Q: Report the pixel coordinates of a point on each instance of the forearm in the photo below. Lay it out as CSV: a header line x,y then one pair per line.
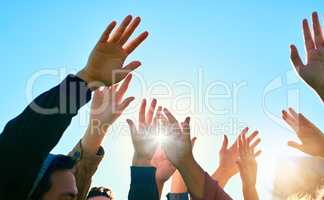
x,y
92,139
221,176
46,118
40,126
160,186
194,177
250,193
178,185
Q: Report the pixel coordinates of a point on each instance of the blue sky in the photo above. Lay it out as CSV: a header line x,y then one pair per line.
x,y
233,42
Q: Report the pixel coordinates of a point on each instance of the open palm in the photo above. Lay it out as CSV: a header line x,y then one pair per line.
x,y
311,137
229,156
106,61
108,104
313,71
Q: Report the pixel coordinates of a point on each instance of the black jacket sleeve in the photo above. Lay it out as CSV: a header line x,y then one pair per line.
x,y
143,184
27,139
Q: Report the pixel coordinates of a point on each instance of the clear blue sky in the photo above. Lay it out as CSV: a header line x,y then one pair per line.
x,y
242,41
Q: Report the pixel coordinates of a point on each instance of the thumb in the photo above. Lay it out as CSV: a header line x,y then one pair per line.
x,y
193,141
295,145
132,66
122,73
225,143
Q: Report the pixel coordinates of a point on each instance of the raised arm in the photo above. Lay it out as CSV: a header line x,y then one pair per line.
x,y
248,169
107,106
143,180
312,71
228,156
39,127
178,149
311,137
179,189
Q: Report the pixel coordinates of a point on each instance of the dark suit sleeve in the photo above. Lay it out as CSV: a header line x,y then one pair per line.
x,y
27,139
143,184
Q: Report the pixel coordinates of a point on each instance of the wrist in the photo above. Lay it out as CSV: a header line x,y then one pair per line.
x,y
223,172
248,186
141,161
186,164
222,175
92,140
98,127
92,83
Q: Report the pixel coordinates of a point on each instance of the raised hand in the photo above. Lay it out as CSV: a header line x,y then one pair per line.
x,y
229,155
106,61
178,149
177,146
144,137
311,137
248,169
313,71
164,168
107,105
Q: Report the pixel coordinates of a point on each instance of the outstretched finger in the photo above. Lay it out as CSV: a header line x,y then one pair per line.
x,y
225,143
295,58
193,141
255,143
258,153
289,119
120,30
244,131
142,113
131,66
130,30
158,116
169,116
123,87
293,113
132,45
121,107
186,126
150,113
295,145
132,128
319,40
105,35
252,136
309,43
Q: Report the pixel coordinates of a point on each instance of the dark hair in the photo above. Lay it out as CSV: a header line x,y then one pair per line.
x,y
100,191
60,163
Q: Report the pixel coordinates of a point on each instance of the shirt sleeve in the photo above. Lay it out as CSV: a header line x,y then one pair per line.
x,y
178,196
212,191
143,185
86,167
27,139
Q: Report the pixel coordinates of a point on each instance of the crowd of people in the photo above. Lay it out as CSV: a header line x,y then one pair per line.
x,y
29,171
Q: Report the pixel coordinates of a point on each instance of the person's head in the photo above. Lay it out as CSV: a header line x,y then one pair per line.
x,y
56,180
100,193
